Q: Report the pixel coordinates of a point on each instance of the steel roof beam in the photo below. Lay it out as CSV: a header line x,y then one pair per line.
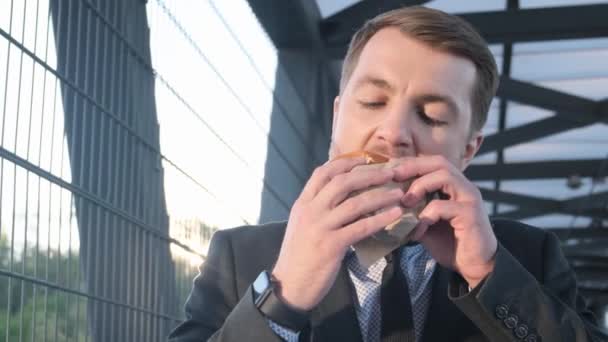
x,y
586,205
565,104
538,24
558,123
520,200
535,170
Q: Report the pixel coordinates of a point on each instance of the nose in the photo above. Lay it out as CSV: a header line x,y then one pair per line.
x,y
394,132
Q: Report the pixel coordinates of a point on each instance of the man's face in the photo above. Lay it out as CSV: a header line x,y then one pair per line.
x,y
405,99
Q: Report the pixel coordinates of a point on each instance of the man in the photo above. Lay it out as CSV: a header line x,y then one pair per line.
x,y
416,86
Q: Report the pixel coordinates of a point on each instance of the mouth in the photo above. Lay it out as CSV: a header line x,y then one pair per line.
x,y
370,157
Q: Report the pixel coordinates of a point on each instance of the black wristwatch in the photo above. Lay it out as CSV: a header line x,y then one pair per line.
x,y
272,307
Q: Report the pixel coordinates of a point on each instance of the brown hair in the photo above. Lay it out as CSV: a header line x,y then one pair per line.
x,y
444,32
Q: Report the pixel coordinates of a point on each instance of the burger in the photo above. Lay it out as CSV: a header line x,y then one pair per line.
x,y
370,157
396,233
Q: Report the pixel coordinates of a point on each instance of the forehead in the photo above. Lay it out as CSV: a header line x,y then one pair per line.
x,y
411,65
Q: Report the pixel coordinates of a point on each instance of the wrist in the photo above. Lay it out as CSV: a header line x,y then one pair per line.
x,y
474,281
480,271
481,274
267,301
284,296
290,297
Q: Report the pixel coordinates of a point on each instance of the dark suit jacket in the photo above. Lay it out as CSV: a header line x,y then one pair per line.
x,y
531,278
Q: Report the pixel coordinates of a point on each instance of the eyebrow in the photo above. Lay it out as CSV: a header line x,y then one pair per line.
x,y
433,98
375,81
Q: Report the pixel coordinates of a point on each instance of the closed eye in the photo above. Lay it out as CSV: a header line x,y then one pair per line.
x,y
428,120
372,104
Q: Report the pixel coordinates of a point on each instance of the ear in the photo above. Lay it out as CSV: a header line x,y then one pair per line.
x,y
471,149
331,152
336,111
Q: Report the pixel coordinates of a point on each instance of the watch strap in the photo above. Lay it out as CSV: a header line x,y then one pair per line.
x,y
273,308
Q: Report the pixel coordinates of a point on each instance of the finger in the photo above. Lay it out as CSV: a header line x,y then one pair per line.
x,y
435,211
365,227
455,186
420,230
363,204
343,185
326,172
412,167
440,210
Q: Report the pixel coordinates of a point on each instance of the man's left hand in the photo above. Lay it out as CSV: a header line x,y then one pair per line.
x,y
455,229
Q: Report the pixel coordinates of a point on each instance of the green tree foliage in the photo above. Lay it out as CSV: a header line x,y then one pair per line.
x,y
30,311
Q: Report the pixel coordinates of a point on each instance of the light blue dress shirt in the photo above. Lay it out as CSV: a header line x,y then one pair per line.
x,y
416,264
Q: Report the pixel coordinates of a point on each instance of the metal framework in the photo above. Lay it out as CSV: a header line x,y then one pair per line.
x,y
112,277
513,25
510,26
571,111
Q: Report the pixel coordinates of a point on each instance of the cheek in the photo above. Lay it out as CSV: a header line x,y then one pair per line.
x,y
437,142
350,132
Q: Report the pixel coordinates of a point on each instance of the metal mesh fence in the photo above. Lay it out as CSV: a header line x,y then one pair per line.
x,y
107,199
86,251
101,233
80,244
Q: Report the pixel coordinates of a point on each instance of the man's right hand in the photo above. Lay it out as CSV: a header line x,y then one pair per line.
x,y
324,221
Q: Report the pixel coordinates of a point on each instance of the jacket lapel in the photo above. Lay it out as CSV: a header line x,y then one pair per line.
x,y
335,318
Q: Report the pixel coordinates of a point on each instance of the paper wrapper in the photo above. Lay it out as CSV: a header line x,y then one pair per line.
x,y
379,245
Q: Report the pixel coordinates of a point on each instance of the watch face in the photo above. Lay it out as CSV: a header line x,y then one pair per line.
x,y
262,282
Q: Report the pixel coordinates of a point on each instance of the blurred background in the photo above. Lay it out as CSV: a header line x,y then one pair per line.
x,y
131,130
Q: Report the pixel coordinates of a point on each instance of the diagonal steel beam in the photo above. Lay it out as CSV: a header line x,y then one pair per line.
x,y
548,23
519,199
560,122
595,201
527,132
593,205
535,170
564,104
585,21
528,212
530,206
